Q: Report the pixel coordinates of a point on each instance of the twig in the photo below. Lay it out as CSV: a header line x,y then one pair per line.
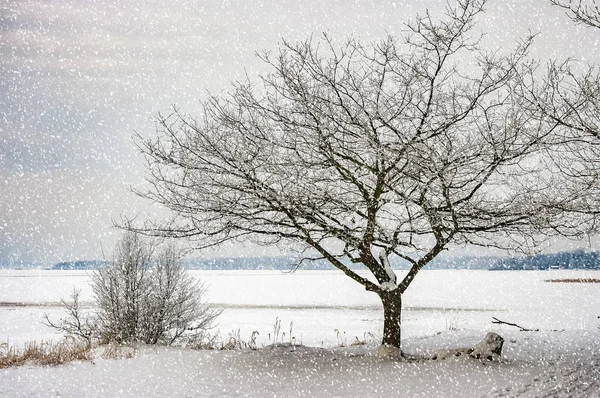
x,y
496,320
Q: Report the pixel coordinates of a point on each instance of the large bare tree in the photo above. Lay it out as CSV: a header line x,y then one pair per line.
x,y
568,94
365,152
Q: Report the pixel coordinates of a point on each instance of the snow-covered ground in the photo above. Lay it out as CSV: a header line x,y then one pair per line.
x,y
443,309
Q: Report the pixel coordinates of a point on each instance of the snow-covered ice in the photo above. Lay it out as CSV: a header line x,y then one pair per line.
x,y
443,310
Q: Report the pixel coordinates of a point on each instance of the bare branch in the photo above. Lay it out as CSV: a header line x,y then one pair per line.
x,y
584,12
522,329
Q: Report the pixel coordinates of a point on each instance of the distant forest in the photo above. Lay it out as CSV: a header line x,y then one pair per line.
x,y
578,259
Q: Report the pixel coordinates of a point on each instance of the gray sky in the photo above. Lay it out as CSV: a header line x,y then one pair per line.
x,y
78,77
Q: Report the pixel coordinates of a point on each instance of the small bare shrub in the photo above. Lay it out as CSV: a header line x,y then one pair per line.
x,y
143,295
76,324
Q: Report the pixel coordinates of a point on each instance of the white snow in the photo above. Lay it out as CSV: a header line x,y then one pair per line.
x,y
386,265
443,310
389,286
567,367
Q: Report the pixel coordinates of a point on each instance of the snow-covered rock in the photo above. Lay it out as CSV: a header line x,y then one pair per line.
x,y
489,348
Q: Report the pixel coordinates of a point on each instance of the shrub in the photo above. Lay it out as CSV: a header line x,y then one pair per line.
x,y
143,295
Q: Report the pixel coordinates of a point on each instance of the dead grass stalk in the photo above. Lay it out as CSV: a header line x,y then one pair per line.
x,y
45,353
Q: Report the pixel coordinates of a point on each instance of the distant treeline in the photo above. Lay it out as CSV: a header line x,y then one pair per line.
x,y
80,265
283,263
579,259
286,263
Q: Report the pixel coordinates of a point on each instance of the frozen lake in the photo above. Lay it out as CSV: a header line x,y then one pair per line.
x,y
327,308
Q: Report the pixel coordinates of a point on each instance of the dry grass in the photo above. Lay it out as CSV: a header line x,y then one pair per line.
x,y
574,280
43,353
206,341
114,350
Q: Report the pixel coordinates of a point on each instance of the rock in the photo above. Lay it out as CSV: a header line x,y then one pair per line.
x,y
442,355
489,348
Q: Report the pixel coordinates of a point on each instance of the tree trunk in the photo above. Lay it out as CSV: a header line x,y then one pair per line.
x,y
392,308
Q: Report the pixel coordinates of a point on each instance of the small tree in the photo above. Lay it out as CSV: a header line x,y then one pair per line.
x,y
362,152
144,294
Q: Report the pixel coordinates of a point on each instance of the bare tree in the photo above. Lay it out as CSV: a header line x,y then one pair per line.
x,y
361,153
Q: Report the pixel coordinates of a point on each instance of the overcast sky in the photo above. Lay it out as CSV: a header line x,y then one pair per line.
x,y
79,77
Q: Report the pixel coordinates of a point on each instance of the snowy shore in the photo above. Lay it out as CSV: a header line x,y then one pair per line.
x,y
444,309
